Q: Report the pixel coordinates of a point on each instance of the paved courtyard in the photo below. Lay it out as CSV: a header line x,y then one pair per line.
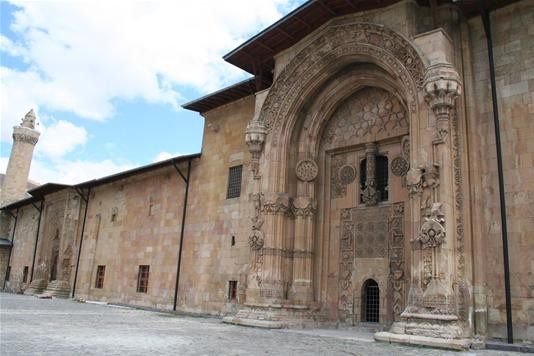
x,y
31,326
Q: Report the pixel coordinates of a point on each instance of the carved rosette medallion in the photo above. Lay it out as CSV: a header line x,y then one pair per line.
x,y
347,174
306,170
256,239
399,166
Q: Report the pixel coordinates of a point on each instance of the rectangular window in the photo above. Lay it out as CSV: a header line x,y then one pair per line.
x,y
232,290
100,273
8,272
142,279
234,182
25,274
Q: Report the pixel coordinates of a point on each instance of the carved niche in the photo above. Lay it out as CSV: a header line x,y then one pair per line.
x,y
376,231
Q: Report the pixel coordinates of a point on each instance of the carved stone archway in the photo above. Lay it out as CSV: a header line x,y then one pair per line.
x,y
285,197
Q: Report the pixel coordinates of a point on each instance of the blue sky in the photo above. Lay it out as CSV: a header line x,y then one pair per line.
x,y
107,78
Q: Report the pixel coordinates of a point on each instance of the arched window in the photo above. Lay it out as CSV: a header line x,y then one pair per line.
x,y
370,301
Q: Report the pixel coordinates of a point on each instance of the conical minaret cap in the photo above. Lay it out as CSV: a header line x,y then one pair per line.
x,y
29,120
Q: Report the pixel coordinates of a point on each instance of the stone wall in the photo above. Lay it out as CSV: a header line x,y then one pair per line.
x,y
513,33
210,261
131,222
23,247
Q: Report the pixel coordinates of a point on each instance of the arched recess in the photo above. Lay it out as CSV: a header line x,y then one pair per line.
x,y
338,63
335,50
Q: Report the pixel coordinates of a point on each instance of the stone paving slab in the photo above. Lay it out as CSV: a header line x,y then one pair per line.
x,y
31,326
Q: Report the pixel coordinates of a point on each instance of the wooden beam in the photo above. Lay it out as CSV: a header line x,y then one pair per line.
x,y
326,8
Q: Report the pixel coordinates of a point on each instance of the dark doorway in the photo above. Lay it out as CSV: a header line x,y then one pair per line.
x,y
370,302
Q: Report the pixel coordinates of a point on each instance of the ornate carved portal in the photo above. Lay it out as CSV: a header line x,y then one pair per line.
x,y
357,92
371,232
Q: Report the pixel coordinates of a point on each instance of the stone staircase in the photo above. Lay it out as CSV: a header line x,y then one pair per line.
x,y
58,289
37,286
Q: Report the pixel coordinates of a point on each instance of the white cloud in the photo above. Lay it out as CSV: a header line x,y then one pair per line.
x,y
72,172
163,155
59,138
69,171
82,55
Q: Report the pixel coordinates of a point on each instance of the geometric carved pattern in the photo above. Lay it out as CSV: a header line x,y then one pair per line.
x,y
369,112
306,170
396,257
371,232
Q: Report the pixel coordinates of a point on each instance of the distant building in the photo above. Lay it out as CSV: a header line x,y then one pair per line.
x,y
353,179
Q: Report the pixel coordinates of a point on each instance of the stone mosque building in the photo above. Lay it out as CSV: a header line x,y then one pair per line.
x,y
354,178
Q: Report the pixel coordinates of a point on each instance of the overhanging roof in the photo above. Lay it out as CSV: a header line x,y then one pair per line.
x,y
135,171
40,192
45,189
256,56
20,203
227,95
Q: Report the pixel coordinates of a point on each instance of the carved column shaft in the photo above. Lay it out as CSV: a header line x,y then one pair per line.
x,y
370,194
302,282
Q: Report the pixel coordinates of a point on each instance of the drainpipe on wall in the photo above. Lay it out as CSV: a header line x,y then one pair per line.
x,y
12,245
40,210
484,13
182,229
86,200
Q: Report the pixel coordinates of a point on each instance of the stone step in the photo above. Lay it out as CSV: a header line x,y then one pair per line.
x,y
58,289
37,286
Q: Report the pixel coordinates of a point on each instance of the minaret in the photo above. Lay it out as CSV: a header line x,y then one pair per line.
x,y
24,139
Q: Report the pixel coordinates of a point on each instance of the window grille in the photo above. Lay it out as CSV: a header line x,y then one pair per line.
x,y
142,279
371,302
382,177
25,274
232,290
100,273
234,182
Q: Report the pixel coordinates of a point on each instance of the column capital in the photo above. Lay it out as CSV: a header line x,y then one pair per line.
x,y
255,135
442,87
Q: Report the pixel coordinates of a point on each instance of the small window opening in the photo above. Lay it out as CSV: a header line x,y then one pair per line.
x,y
142,279
232,290
25,274
114,213
371,301
100,273
232,242
234,182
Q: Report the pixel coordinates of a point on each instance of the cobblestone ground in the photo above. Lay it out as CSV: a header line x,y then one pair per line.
x,y
31,326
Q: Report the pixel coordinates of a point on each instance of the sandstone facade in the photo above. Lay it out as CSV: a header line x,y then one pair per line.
x,y
369,177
